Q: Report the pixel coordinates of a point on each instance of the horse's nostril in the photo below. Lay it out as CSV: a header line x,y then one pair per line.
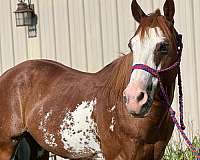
x,y
141,96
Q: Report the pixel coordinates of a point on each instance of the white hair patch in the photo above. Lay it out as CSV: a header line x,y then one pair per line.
x,y
79,131
49,138
112,124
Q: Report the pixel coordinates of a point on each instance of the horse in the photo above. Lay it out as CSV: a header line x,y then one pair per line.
x,y
117,113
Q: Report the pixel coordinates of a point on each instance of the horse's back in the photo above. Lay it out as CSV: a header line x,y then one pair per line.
x,y
39,98
38,86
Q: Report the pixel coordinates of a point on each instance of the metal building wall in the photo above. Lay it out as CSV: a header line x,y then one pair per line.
x,y
88,34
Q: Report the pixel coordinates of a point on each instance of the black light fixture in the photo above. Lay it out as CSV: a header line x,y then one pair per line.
x,y
25,16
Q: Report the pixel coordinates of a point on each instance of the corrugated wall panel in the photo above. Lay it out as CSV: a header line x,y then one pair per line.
x,y
19,38
47,32
147,6
35,44
109,30
188,64
127,24
77,34
88,34
7,44
62,32
0,56
196,13
94,44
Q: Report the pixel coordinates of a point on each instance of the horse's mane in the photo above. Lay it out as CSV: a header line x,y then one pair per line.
x,y
118,79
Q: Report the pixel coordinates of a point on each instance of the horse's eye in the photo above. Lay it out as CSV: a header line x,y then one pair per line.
x,y
164,48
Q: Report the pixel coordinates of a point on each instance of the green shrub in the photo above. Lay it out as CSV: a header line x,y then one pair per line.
x,y
176,151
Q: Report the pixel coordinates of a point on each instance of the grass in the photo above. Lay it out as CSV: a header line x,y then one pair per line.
x,y
176,150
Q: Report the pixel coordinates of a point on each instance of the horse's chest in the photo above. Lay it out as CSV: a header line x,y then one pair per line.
x,y
79,131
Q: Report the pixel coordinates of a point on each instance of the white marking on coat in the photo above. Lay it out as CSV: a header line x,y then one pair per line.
x,y
79,131
49,138
112,109
112,124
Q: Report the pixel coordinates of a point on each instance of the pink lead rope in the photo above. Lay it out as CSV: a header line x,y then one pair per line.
x,y
155,73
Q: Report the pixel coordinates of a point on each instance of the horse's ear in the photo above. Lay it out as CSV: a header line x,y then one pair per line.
x,y
169,10
137,12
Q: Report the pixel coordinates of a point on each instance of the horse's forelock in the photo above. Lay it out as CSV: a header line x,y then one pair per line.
x,y
152,21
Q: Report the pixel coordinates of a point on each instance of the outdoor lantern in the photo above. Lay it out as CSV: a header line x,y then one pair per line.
x,y
24,14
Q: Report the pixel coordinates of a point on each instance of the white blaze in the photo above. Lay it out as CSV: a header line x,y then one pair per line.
x,y
143,52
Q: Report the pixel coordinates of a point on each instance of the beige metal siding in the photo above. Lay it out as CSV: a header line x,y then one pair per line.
x,y
88,34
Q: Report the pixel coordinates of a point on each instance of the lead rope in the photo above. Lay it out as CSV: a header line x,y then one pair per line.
x,y
179,50
180,99
179,126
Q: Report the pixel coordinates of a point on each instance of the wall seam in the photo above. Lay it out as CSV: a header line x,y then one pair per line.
x,y
69,31
26,41
101,32
11,27
1,54
54,30
85,39
39,26
195,58
117,25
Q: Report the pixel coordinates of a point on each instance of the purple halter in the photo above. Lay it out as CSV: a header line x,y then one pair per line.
x,y
156,73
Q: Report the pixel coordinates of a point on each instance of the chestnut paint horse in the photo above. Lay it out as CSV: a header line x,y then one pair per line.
x,y
114,114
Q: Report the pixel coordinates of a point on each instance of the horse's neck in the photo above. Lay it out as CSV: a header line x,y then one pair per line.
x,y
106,73
147,128
143,129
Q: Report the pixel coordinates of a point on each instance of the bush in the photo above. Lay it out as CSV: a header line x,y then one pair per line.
x,y
176,151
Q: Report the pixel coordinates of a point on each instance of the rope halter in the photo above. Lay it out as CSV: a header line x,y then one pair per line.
x,y
156,73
